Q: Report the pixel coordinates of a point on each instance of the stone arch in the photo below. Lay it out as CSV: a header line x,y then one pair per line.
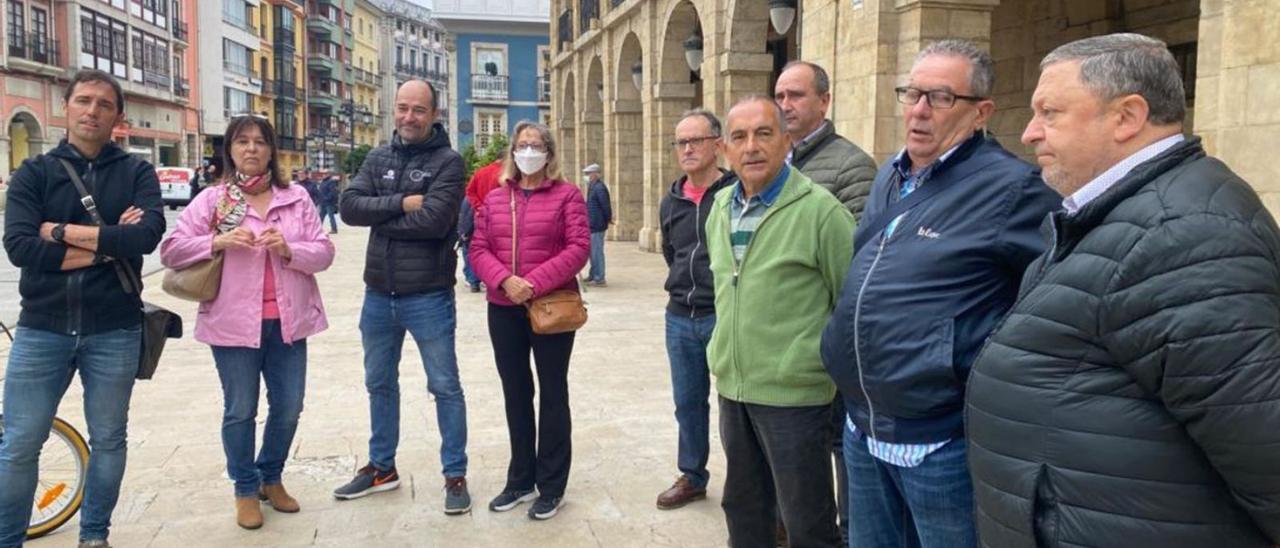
x,y
627,173
565,126
26,136
746,39
678,88
591,130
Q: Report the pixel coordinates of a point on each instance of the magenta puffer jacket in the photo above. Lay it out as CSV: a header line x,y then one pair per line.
x,y
234,318
552,231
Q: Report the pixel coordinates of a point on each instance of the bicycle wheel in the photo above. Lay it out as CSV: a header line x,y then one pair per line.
x,y
64,463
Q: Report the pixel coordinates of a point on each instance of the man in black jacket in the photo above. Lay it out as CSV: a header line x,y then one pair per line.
x,y
1132,396
409,193
950,225
77,314
691,314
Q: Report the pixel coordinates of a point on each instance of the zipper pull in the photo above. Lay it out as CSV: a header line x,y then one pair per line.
x,y
735,277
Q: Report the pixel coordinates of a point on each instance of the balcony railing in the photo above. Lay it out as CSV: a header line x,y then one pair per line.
x,y
31,47
565,26
268,86
179,30
544,89
282,88
181,87
156,80
485,87
588,10
233,68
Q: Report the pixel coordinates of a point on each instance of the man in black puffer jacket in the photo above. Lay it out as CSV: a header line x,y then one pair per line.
x,y
409,193
1132,395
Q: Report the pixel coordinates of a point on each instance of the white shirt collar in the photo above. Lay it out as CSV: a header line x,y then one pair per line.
x,y
1108,178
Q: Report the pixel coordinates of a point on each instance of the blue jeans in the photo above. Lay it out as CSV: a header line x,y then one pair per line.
x,y
41,364
467,272
597,257
284,368
330,211
687,340
928,506
431,318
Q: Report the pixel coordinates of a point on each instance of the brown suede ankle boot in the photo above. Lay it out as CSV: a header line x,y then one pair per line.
x,y
278,498
248,512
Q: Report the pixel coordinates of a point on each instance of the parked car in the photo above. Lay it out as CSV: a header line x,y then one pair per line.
x,y
175,185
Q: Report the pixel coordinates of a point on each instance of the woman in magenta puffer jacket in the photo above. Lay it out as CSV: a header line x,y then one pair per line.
x,y
267,305
552,242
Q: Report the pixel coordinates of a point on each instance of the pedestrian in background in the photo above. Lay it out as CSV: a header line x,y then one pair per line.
x,y
328,194
600,214
531,239
267,305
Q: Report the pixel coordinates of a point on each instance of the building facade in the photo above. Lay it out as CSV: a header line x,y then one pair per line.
x,y
366,109
501,66
146,44
622,71
283,68
415,46
230,67
330,79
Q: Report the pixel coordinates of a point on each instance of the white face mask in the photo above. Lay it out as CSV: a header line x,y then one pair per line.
x,y
530,161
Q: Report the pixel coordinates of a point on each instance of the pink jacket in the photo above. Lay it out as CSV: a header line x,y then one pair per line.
x,y
234,318
553,235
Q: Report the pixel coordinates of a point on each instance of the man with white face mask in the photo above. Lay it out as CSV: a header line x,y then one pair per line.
x,y
410,192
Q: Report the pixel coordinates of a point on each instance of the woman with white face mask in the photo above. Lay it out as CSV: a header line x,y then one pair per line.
x,y
531,238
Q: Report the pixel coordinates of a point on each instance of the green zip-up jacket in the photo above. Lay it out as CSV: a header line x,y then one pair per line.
x,y
771,309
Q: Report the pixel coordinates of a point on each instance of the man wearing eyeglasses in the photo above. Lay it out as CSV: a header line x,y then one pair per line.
x,y
691,312
951,223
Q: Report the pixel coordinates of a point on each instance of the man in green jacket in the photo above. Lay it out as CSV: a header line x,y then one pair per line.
x,y
779,249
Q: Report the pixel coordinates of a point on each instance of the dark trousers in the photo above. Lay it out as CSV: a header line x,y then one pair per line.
x,y
838,416
778,462
541,453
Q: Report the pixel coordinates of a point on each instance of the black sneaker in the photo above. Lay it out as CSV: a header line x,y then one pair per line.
x,y
368,480
457,500
509,499
545,507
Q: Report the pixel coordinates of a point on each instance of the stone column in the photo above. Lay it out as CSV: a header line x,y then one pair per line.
x,y
627,168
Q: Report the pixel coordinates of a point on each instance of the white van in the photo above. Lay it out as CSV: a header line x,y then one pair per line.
x,y
175,185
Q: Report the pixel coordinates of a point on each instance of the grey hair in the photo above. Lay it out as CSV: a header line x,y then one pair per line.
x,y
712,121
821,81
509,170
982,69
756,97
1120,64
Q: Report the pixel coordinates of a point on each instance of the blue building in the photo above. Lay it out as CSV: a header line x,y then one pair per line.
x,y
501,63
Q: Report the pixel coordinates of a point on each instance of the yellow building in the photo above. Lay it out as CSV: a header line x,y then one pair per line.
x,y
367,69
281,66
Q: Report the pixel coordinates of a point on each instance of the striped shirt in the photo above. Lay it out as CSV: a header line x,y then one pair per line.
x,y
745,214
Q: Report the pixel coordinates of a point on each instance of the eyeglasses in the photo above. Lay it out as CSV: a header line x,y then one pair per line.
x,y
531,146
695,141
937,98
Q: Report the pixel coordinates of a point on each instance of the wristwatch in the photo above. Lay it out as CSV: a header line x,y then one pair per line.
x,y
59,232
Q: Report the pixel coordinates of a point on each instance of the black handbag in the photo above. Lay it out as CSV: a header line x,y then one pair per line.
x,y
158,324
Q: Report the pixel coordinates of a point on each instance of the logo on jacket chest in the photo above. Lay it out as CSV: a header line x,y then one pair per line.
x,y
390,175
418,175
928,233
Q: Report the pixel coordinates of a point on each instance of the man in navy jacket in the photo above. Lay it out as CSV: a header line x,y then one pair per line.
x,y
78,316
599,217
950,225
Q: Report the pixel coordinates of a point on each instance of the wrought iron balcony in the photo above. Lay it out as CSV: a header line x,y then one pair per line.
x,y
179,30
181,87
485,87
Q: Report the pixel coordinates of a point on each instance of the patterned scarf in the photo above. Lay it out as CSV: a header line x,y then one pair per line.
x,y
232,205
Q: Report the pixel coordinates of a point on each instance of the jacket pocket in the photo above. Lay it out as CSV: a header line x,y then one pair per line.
x,y
909,369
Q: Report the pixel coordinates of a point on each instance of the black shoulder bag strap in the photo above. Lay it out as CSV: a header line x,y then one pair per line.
x,y
123,269
873,226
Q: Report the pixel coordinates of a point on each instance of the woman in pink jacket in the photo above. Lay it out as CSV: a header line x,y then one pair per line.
x,y
268,304
551,246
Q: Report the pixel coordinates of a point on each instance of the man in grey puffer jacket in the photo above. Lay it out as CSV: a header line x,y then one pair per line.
x,y
1132,395
804,93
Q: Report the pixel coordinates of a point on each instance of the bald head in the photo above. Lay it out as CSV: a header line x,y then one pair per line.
x,y
415,111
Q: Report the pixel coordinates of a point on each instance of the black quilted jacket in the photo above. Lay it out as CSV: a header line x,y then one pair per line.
x,y
1131,398
408,253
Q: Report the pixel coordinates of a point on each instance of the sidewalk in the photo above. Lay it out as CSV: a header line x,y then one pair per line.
x,y
176,493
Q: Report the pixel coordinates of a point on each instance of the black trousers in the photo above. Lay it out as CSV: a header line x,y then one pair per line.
x,y
540,453
778,462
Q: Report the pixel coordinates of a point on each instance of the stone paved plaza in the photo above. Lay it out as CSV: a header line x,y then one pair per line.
x,y
176,493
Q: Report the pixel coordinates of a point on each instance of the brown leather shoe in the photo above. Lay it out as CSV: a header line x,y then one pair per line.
x,y
680,494
248,512
278,498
